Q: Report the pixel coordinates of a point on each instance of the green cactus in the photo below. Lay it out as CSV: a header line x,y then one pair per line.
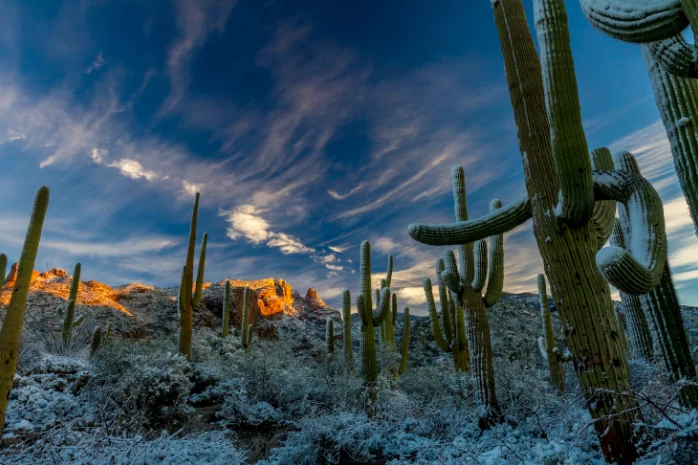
x,y
370,318
68,315
387,328
346,324
638,331
329,338
187,300
107,336
14,314
246,328
96,340
405,344
569,247
548,347
226,310
661,306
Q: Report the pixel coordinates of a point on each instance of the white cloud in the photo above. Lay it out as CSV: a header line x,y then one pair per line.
x,y
190,188
96,64
288,244
413,295
98,155
335,195
337,249
245,222
133,169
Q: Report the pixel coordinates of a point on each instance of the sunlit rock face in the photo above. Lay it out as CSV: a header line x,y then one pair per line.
x,y
313,301
274,296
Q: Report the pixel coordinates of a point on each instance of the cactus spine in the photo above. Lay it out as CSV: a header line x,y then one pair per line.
x,y
569,248
329,338
246,328
637,329
549,349
346,324
226,310
14,316
96,340
68,315
187,301
370,318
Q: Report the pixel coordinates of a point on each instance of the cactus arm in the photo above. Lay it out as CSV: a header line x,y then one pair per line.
x,y
181,303
75,283
638,269
200,273
365,314
480,265
329,337
542,349
604,210
675,56
3,270
394,316
461,352
389,322
405,349
186,312
346,324
636,21
250,334
465,249
569,144
434,317
389,274
383,307
495,280
443,301
14,314
79,321
225,331
500,221
450,275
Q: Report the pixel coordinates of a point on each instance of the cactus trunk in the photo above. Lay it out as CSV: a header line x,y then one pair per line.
x,y
96,340
552,353
14,315
346,325
225,331
329,338
186,307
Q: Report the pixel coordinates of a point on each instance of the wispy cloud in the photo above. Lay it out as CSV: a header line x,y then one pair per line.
x,y
96,64
335,195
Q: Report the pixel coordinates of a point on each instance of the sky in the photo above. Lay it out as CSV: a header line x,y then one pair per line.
x,y
307,126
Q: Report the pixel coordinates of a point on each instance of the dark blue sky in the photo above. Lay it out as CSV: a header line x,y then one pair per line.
x,y
307,126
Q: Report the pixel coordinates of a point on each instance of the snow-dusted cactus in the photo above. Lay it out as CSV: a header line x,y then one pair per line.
x,y
548,346
569,248
200,273
67,315
370,318
14,314
677,101
225,331
187,300
637,329
246,328
387,328
96,340
604,210
346,325
329,338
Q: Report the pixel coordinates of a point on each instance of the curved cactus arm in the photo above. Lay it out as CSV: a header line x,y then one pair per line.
x,y
434,317
3,270
569,143
499,221
383,307
450,275
495,280
676,56
389,273
75,283
364,312
79,321
604,210
405,349
200,273
480,265
638,269
460,202
443,301
636,20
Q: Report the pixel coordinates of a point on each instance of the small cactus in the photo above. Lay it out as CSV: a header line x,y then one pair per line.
x,y
547,345
226,310
329,338
405,344
96,340
246,328
68,315
14,314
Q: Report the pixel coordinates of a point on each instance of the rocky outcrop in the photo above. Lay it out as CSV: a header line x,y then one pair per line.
x,y
313,301
274,296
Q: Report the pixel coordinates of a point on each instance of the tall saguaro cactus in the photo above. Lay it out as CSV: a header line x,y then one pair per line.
x,y
405,344
387,328
370,319
548,346
14,316
574,265
187,300
68,315
346,325
638,331
246,328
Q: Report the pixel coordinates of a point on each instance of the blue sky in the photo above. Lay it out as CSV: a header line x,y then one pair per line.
x,y
307,126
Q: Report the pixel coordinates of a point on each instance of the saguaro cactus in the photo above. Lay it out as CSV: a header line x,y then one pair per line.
x,y
68,315
200,273
187,301
452,340
637,329
568,246
14,316
548,346
346,325
96,340
405,344
370,318
387,328
661,306
329,338
246,328
226,310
